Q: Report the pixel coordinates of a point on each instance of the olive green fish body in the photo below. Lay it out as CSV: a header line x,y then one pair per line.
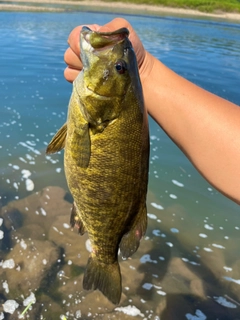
x,y
106,156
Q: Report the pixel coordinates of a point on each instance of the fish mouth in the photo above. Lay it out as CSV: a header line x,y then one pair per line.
x,y
98,41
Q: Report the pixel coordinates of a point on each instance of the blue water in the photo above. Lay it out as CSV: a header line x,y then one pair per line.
x,y
189,221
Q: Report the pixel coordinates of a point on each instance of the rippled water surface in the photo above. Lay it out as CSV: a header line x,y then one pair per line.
x,y
188,265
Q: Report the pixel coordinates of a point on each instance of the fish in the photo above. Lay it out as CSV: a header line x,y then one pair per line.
x,y
106,155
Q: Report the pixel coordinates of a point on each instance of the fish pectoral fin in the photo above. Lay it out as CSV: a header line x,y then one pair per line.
x,y
75,220
58,141
131,240
81,145
104,277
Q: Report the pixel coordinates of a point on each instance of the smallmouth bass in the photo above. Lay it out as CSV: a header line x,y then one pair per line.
x,y
106,157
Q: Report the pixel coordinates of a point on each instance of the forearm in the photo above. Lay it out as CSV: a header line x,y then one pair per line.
x,y
206,127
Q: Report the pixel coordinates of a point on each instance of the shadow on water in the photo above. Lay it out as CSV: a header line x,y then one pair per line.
x,y
212,300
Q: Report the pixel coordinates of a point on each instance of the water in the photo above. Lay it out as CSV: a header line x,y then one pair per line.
x,y
187,266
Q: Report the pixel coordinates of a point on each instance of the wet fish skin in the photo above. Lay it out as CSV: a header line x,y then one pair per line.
x,y
106,155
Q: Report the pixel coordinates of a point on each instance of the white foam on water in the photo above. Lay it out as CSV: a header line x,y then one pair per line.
x,y
152,216
66,225
227,269
1,234
88,245
8,264
147,258
26,173
30,299
157,233
174,230
208,249
173,196
10,306
43,212
199,315
208,227
23,244
177,183
1,221
202,235
29,185
218,246
232,280
157,206
147,286
169,244
223,302
162,293
5,286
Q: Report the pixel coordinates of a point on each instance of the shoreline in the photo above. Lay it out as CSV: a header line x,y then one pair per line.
x,y
115,7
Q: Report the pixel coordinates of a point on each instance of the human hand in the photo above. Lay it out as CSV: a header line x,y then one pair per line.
x,y
72,54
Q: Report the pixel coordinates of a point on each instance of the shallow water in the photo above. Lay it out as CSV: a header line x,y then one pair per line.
x,y
193,233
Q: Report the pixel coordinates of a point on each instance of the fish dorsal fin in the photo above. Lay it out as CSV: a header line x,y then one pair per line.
x,y
58,141
81,145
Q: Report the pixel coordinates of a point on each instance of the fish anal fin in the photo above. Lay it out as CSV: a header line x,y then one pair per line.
x,y
75,220
58,141
104,277
131,240
81,144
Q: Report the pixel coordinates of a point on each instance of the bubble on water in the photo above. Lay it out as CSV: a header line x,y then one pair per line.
x,y
169,244
174,230
232,280
199,315
26,173
15,185
5,286
156,233
88,245
162,293
157,206
30,299
147,258
1,221
58,170
29,185
219,246
43,212
177,183
147,286
161,258
10,306
208,227
44,261
227,268
1,234
208,249
8,264
23,244
202,235
173,196
223,302
152,216
16,167
66,225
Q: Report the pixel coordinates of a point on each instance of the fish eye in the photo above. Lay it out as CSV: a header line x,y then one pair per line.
x,y
121,66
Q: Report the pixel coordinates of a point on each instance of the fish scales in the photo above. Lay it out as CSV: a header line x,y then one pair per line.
x,y
106,156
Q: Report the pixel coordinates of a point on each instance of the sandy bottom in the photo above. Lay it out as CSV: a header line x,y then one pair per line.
x,y
108,6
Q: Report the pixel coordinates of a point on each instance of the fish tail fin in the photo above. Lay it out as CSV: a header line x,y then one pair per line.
x,y
104,277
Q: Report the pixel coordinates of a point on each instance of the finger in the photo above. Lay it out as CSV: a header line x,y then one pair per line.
x,y
72,60
71,74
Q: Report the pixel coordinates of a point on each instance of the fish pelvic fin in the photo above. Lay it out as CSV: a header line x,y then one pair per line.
x,y
75,220
58,141
131,240
104,277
